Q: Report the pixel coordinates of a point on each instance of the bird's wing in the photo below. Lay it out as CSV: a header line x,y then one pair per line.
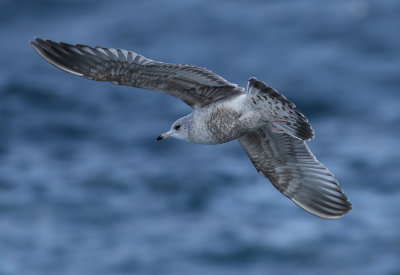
x,y
277,109
195,86
291,167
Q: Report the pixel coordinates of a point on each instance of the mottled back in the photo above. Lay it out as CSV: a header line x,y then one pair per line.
x,y
280,111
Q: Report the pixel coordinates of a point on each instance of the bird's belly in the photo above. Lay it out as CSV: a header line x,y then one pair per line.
x,y
222,123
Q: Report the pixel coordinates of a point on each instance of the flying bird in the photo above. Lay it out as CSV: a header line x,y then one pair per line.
x,y
267,125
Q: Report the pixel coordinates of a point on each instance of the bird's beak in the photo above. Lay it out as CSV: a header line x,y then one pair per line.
x,y
164,136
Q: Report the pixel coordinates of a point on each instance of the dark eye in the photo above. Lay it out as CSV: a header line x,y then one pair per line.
x,y
177,127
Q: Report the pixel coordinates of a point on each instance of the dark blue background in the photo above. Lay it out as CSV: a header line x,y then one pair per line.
x,y
86,189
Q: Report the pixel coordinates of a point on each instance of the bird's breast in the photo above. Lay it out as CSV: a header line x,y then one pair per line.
x,y
223,122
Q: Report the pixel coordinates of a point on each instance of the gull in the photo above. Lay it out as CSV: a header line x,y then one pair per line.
x,y
267,125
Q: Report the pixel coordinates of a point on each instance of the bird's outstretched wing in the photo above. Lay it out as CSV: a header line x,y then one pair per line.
x,y
291,167
195,86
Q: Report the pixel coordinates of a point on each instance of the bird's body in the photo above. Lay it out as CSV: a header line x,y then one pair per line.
x,y
268,126
223,122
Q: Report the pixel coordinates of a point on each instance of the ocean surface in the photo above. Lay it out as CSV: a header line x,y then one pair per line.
x,y
85,188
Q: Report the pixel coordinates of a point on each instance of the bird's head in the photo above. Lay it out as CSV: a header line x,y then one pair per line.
x,y
179,129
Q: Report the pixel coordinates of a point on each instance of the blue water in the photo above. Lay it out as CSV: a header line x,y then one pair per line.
x,y
86,189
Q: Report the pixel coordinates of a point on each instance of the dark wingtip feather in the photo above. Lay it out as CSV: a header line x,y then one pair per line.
x,y
58,55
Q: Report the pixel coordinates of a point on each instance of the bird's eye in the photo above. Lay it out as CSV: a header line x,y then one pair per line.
x,y
177,127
